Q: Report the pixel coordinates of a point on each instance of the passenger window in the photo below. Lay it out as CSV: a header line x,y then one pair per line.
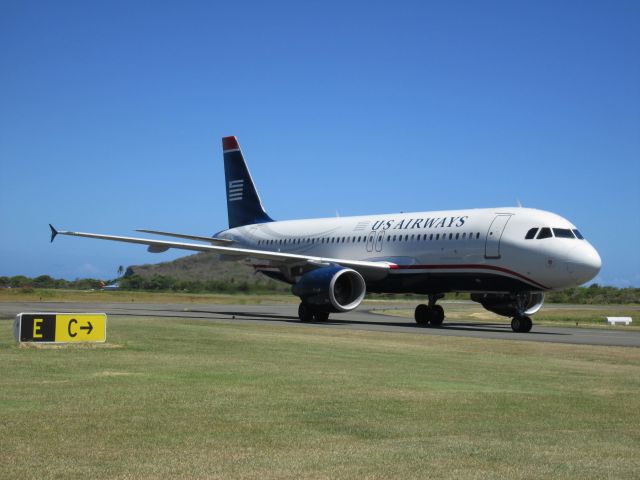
x,y
437,236
578,234
431,237
544,233
477,235
563,233
531,234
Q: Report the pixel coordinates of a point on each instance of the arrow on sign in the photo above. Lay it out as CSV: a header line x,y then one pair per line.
x,y
89,328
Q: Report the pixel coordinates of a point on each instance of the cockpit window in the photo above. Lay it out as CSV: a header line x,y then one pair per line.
x,y
578,234
531,234
563,233
544,233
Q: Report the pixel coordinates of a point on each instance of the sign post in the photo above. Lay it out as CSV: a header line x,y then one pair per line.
x,y
60,327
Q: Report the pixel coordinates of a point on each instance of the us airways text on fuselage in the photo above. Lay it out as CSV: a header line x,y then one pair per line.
x,y
412,223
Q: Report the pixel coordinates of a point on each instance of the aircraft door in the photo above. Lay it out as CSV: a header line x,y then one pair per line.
x,y
371,239
379,240
492,245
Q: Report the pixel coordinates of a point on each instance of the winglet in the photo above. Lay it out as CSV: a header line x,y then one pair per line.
x,y
54,232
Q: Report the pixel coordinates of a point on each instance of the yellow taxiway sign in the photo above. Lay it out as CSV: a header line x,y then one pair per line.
x,y
60,327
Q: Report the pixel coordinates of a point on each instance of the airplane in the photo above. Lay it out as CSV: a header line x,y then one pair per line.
x,y
506,258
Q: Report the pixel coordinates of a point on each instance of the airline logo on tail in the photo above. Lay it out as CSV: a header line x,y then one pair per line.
x,y
236,188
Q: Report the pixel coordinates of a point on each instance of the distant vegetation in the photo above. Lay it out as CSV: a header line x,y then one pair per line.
x,y
154,283
164,283
594,294
45,281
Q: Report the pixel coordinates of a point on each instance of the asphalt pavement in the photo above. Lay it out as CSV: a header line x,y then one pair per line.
x,y
361,319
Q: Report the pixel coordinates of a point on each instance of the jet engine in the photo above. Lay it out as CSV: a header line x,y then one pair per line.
x,y
333,288
510,305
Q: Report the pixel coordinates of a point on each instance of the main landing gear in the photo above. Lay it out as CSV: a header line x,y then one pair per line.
x,y
307,313
430,314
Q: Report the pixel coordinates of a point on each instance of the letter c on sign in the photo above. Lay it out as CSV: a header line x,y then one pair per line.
x,y
71,334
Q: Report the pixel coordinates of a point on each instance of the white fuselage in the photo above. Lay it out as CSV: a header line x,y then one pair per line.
x,y
459,250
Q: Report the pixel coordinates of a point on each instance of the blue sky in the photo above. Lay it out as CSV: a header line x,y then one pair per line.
x,y
112,114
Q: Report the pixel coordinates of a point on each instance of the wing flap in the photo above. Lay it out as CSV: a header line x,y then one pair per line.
x,y
212,240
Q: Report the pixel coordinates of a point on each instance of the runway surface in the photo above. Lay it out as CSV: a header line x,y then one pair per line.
x,y
361,319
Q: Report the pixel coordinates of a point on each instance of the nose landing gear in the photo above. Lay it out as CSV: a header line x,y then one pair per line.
x,y
430,315
521,324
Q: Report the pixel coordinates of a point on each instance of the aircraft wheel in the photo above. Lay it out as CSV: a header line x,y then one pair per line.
x,y
321,316
515,324
305,313
521,324
437,315
421,314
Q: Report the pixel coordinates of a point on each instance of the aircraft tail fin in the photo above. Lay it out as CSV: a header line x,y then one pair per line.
x,y
243,202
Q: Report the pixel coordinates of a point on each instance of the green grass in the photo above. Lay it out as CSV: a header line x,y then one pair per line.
x,y
194,399
122,296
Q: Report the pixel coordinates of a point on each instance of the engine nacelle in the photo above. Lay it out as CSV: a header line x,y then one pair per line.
x,y
510,305
333,288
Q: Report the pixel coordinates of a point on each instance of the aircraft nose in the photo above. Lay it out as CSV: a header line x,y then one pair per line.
x,y
583,263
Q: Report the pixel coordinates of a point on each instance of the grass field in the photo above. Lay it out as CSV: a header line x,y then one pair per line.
x,y
170,398
122,296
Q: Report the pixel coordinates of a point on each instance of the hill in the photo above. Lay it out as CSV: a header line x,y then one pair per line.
x,y
205,267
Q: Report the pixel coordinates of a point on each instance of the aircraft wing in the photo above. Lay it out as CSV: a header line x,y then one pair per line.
x,y
368,269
